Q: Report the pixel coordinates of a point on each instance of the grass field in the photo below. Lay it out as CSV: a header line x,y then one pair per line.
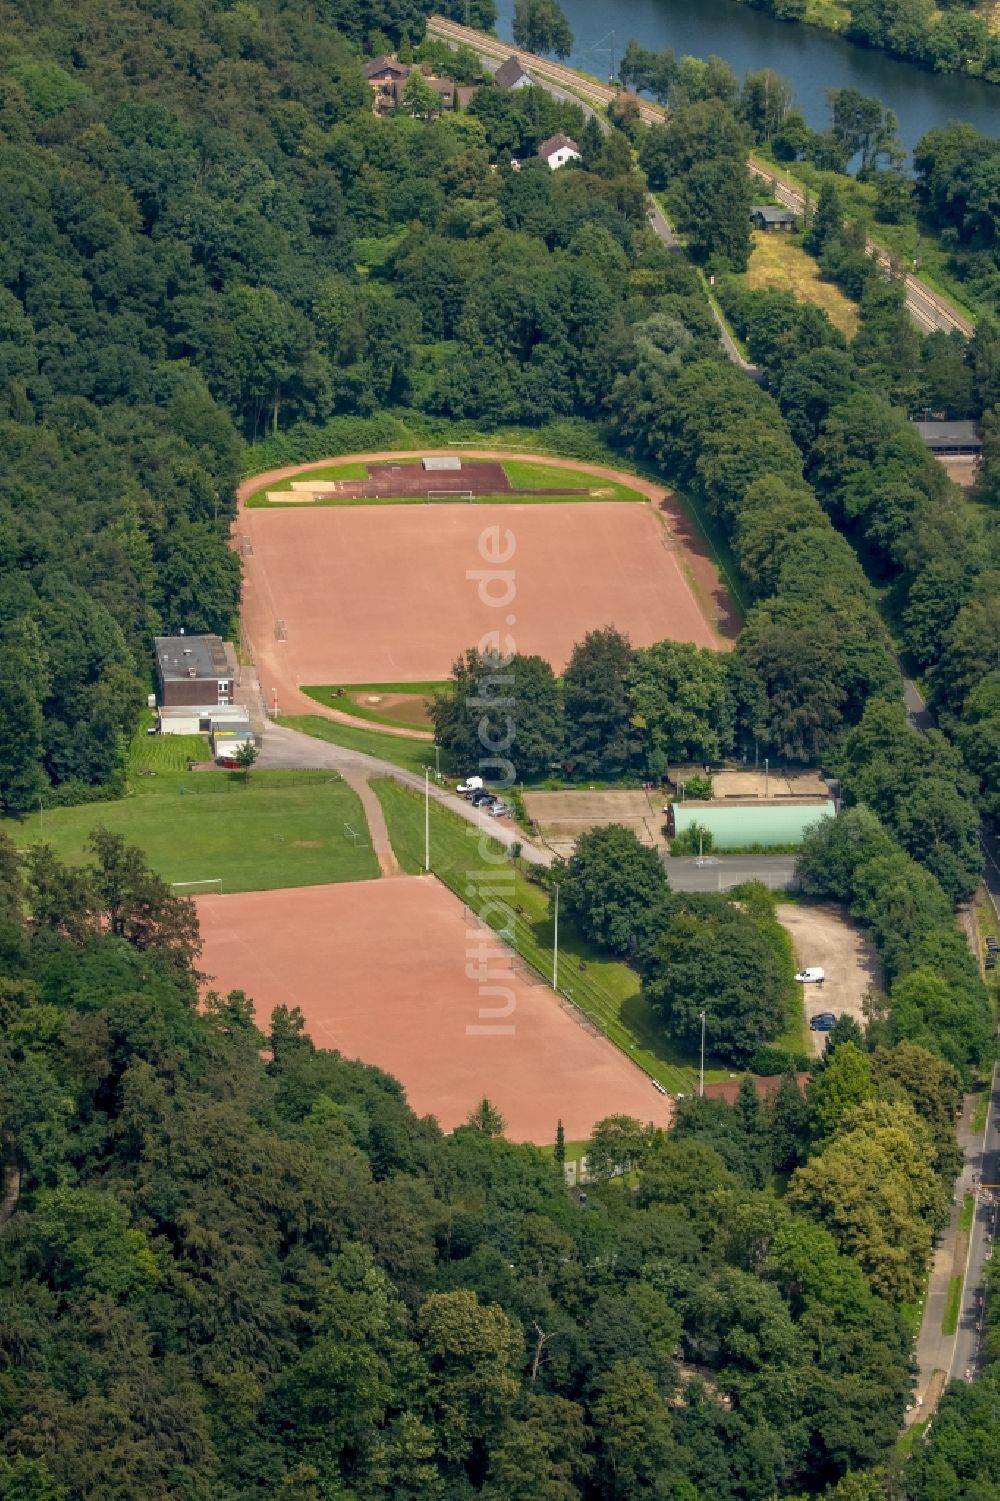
x,y
605,989
408,702
277,829
520,472
778,261
523,474
411,755
968,1213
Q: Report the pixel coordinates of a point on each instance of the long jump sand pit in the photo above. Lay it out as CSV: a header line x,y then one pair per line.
x,y
379,969
379,594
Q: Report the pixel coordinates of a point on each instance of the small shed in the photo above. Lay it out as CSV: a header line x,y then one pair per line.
x,y
950,437
226,738
739,823
442,463
772,217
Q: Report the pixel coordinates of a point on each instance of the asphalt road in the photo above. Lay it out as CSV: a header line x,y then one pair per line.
x,y
721,872
985,1165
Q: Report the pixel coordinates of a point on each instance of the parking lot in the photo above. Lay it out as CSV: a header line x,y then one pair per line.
x,y
824,937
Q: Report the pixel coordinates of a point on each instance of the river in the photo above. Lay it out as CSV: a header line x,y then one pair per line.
x,y
811,60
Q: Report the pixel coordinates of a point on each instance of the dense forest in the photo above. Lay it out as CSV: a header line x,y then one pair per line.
x,y
242,1268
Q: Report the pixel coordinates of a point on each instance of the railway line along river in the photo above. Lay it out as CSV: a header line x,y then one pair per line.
x,y
811,60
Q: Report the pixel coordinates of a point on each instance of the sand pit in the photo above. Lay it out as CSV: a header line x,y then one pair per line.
x,y
379,971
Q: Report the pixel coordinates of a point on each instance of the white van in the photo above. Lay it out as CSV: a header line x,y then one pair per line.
x,y
471,784
813,975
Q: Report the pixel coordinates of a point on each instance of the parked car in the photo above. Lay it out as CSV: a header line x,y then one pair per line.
x,y
470,785
479,798
811,975
500,810
823,1021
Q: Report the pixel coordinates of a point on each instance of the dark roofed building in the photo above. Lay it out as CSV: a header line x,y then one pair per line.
x,y
513,74
771,216
197,670
381,70
950,437
445,90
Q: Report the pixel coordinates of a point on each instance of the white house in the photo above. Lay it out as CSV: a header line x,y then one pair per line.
x,y
558,150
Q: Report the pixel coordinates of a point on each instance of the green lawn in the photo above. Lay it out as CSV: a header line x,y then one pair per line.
x,y
523,473
968,1213
605,989
346,703
326,473
279,828
411,755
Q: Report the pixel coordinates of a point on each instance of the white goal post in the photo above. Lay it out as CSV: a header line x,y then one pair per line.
x,y
211,887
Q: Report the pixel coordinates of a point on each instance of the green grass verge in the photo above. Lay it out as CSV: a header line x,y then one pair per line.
x,y
400,750
968,1213
909,1437
605,989
522,473
277,829
949,1323
980,1114
346,704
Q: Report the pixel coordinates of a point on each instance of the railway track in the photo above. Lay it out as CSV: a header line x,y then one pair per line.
x,y
928,309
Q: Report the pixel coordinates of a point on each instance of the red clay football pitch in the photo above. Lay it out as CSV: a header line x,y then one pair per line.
x,y
379,594
386,971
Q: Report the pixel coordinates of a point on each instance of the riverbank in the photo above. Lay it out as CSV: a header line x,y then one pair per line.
x,y
811,57
937,46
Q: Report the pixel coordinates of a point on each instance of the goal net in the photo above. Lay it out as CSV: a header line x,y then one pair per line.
x,y
212,887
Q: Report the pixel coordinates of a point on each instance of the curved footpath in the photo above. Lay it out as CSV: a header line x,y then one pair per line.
x,y
279,681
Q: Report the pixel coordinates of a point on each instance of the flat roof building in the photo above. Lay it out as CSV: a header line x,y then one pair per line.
x,y
950,437
441,463
196,670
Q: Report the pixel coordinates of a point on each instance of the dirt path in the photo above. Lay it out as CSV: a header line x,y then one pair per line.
x,y
377,826
825,937
280,681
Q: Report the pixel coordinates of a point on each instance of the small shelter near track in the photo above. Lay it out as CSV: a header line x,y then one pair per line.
x,y
773,216
744,823
442,463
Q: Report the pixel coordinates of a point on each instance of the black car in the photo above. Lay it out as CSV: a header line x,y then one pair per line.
x,y
481,797
823,1021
